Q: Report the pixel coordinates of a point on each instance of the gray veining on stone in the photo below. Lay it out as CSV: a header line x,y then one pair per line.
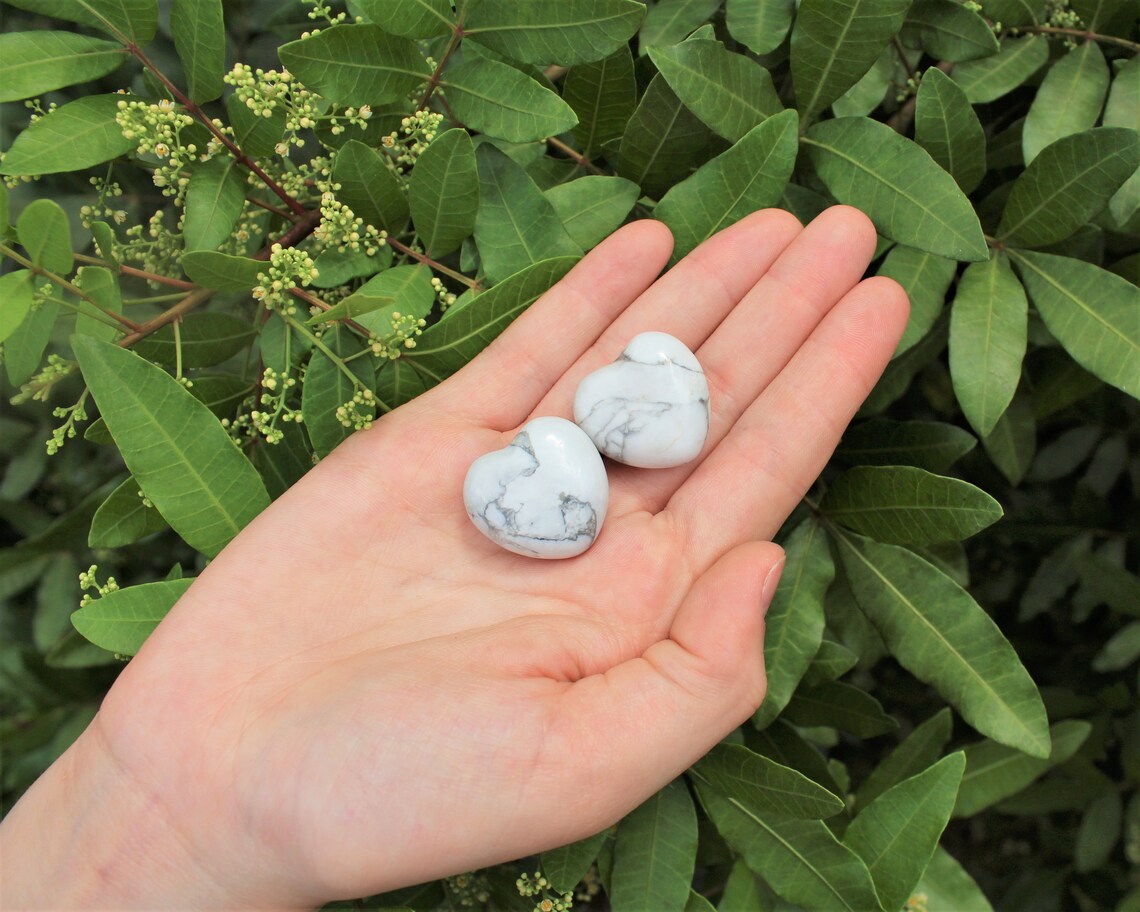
x,y
544,495
650,407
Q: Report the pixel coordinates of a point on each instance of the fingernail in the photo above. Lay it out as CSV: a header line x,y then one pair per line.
x,y
771,581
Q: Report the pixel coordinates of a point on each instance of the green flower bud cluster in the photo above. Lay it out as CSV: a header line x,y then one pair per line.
x,y
275,389
87,580
154,247
445,297
405,329
358,412
469,891
324,11
414,136
156,130
342,229
38,388
33,105
72,414
288,268
1059,14
106,189
549,900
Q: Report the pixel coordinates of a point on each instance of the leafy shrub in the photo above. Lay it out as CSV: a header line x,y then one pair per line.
x,y
236,231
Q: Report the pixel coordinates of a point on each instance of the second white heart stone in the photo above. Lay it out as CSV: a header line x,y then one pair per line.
x,y
650,408
543,495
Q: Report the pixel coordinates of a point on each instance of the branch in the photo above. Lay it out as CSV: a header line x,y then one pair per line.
x,y
1076,33
138,273
900,121
428,261
572,153
433,82
187,304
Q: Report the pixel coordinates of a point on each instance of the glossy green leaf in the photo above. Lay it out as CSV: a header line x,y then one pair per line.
x,y
947,885
995,771
399,382
793,626
205,338
221,393
24,347
564,32
990,78
336,267
409,290
946,126
369,188
452,342
1012,442
444,192
943,637
101,285
1069,100
949,31
897,833
328,387
221,271
181,457
662,140
603,95
121,621
731,93
215,198
756,784
868,93
655,853
834,42
747,177
123,518
45,232
516,225
132,19
930,445
987,341
904,505
1093,313
592,207
920,749
894,181
410,18
199,33
760,25
801,859
356,64
16,291
670,21
831,662
564,867
1068,183
505,103
74,136
925,277
32,63
839,705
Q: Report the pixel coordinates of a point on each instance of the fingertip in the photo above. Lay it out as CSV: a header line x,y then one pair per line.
x,y
853,226
890,300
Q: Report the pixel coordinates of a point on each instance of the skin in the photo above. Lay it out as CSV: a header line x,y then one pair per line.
x,y
361,692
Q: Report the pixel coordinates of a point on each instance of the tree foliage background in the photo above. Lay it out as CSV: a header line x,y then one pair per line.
x,y
266,224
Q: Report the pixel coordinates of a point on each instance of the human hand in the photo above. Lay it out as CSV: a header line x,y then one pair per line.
x,y
362,692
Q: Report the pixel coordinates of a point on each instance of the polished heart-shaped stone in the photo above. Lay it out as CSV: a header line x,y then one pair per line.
x,y
650,408
544,495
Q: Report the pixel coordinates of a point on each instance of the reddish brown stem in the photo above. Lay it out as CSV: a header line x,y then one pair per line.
x,y
572,153
187,304
428,261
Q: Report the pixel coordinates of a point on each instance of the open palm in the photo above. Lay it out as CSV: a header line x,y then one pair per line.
x,y
362,692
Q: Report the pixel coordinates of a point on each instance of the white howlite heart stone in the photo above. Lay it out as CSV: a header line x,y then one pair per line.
x,y
544,495
650,408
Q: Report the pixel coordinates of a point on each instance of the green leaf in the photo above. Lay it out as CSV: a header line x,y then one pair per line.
x,y
1015,12
199,33
930,445
399,382
566,866
215,198
949,31
1120,650
130,19
505,103
947,885
74,136
45,232
335,267
444,192
919,749
670,21
356,64
123,518
903,505
1012,442
255,135
369,187
355,305
925,277
842,706
944,638
565,32
1068,183
408,287
1093,313
205,338
747,177
221,393
101,286
897,833
834,42
25,345
603,95
181,457
16,290
662,140
831,662
868,93
801,859
946,126
894,181
32,63
1123,106
327,387
995,771
987,341
515,226
222,272
410,18
758,785
989,78
760,25
121,621
1069,100
731,93
592,207
655,853
793,626
1099,832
